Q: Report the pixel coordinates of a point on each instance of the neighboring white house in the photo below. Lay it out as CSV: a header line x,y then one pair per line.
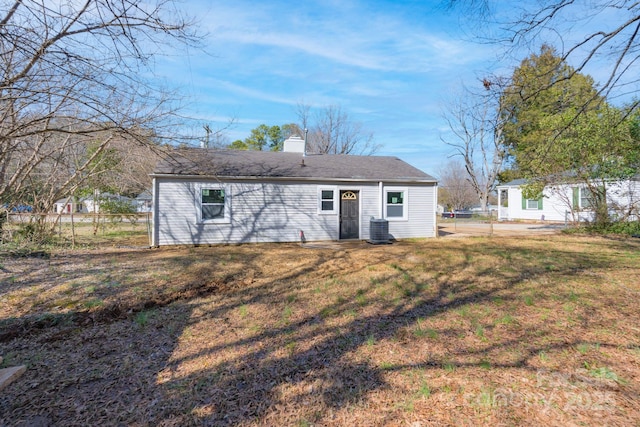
x,y
67,206
566,202
144,201
92,203
207,196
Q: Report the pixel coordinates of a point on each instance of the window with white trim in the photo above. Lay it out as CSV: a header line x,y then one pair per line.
x,y
214,204
532,204
327,200
586,198
395,203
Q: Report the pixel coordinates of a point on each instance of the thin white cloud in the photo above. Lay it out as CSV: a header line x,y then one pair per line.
x,y
378,41
379,61
245,91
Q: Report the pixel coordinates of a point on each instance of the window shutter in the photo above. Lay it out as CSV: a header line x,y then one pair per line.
x,y
576,197
524,202
540,203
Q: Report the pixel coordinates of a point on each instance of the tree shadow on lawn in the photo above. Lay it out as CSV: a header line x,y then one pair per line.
x,y
130,370
119,287
263,378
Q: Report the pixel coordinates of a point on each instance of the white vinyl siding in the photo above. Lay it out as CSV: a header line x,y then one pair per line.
x,y
278,211
563,202
420,210
519,207
259,212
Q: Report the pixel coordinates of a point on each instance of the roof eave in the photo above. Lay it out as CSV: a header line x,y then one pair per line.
x,y
294,178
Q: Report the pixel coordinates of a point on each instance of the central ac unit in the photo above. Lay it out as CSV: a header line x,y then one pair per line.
x,y
379,231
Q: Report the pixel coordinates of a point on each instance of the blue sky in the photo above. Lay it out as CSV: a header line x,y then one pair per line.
x,y
391,66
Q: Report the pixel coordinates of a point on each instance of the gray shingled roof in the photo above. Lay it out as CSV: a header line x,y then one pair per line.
x,y
515,182
521,181
267,164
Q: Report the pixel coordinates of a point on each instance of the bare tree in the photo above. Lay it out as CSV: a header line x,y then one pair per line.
x,y
455,189
475,122
303,111
603,34
333,132
72,74
126,167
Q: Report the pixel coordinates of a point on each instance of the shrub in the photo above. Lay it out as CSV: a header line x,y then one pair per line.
x,y
630,228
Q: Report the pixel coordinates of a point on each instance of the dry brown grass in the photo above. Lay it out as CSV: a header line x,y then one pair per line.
x,y
494,331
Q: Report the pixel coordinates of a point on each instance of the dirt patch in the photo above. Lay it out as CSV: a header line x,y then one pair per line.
x,y
467,331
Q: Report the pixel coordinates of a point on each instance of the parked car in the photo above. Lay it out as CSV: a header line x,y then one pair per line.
x,y
457,214
18,208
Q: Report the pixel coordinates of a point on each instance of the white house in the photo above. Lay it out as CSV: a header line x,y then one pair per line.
x,y
207,196
567,202
67,206
92,203
144,201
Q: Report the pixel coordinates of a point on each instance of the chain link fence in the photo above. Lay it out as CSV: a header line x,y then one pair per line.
x,y
467,222
80,229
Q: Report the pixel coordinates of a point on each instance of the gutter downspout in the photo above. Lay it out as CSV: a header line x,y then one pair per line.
x,y
435,210
381,200
499,204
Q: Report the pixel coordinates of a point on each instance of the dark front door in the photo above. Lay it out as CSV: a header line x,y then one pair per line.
x,y
349,215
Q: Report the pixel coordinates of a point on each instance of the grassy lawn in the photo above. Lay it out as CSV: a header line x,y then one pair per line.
x,y
493,331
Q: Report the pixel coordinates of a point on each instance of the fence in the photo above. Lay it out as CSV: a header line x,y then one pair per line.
x,y
80,229
467,222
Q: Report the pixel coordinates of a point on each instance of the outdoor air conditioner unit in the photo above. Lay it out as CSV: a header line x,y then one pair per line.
x,y
378,231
